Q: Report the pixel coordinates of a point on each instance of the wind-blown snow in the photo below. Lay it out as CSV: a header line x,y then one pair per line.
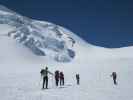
x,y
20,72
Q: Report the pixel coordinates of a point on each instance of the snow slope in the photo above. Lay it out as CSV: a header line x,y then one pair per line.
x,y
20,77
20,71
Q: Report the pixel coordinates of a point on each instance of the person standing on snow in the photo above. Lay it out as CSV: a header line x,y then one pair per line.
x,y
114,75
61,78
57,77
78,79
44,74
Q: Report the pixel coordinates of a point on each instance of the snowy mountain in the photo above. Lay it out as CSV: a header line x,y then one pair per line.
x,y
42,38
28,45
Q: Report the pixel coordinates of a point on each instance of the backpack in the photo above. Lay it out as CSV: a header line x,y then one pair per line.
x,y
44,72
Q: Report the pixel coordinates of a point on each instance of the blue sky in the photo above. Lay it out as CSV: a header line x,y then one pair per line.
x,y
107,23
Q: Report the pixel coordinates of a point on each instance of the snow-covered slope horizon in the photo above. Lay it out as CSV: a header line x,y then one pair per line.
x,y
20,66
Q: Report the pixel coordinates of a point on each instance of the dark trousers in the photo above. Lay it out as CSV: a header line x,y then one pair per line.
x,y
61,82
45,82
56,81
115,81
77,81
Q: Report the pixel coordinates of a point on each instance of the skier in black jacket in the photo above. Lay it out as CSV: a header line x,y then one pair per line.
x,y
44,74
57,77
61,78
114,75
78,79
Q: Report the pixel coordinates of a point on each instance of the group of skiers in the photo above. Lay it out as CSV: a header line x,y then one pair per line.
x,y
59,77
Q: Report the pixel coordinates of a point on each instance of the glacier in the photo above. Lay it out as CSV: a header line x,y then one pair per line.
x,y
39,36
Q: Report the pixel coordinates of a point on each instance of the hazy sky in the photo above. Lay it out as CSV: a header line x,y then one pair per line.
x,y
107,23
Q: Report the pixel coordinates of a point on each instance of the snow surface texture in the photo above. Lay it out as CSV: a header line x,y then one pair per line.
x,y
20,70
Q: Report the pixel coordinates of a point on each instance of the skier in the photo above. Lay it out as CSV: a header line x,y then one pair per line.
x,y
61,78
44,74
114,75
78,79
56,77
